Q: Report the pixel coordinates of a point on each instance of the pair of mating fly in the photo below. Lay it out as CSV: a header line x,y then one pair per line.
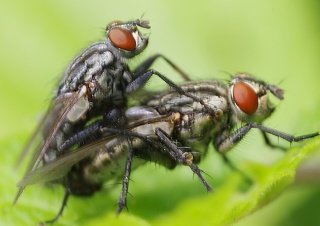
x,y
90,136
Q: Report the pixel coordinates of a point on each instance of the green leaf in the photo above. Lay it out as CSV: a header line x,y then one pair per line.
x,y
227,204
275,40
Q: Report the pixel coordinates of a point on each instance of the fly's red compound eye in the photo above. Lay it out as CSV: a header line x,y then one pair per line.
x,y
122,39
245,98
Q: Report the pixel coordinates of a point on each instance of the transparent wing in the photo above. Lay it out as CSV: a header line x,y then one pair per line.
x,y
47,130
62,165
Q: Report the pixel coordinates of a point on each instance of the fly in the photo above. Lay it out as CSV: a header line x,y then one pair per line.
x,y
97,81
83,172
157,130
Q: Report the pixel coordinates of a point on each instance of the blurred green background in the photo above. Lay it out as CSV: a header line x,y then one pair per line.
x,y
277,41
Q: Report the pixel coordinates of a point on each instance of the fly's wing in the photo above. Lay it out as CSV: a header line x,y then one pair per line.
x,y
41,133
48,128
62,165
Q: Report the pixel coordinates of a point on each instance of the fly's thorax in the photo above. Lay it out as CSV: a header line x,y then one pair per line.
x,y
107,89
212,93
197,122
197,129
248,99
85,66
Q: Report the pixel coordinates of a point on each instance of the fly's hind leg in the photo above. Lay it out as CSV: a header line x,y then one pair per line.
x,y
64,204
234,168
122,202
184,158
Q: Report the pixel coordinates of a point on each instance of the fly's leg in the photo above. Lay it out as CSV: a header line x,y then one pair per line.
x,y
269,143
143,78
144,66
227,143
122,202
93,131
64,204
236,169
184,158
80,137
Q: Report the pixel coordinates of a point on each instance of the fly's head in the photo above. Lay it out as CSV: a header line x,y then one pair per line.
x,y
248,98
125,39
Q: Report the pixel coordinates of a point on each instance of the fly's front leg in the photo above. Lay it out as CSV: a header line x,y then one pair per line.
x,y
144,66
143,78
122,202
226,141
269,143
184,158
224,144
